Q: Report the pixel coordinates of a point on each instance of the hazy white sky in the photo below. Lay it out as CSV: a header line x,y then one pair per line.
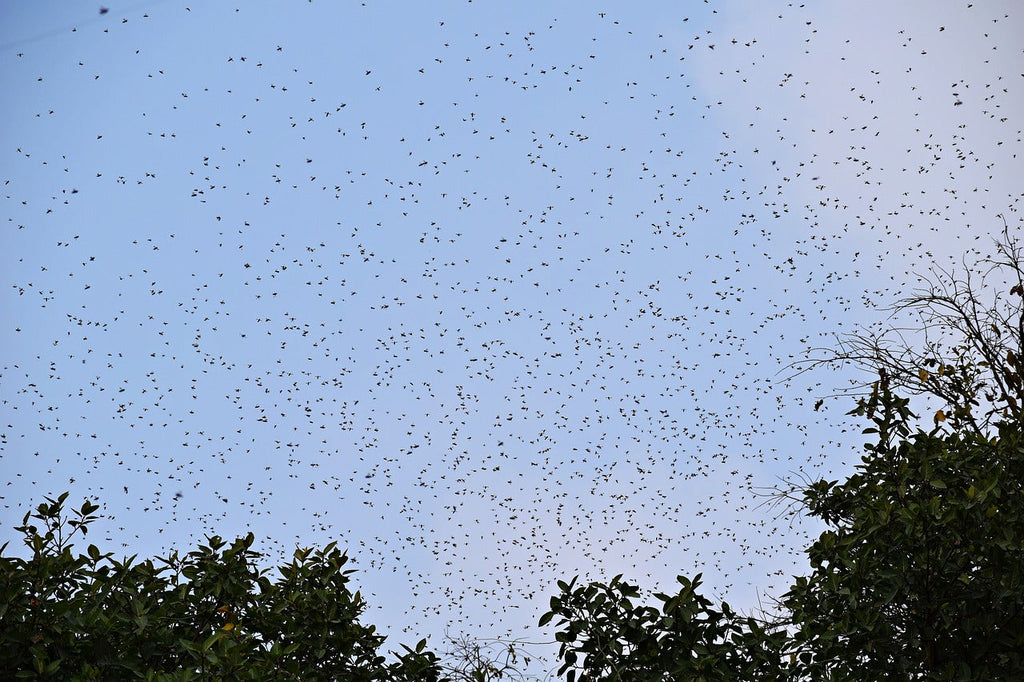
x,y
491,294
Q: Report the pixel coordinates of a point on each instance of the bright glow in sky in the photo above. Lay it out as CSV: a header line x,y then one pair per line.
x,y
490,293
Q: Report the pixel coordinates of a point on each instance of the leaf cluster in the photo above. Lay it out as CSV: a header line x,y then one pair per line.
x,y
919,573
604,635
211,614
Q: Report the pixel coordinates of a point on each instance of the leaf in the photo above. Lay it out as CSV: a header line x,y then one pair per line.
x,y
940,416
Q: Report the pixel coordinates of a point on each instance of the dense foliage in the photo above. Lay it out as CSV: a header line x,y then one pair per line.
x,y
919,574
209,615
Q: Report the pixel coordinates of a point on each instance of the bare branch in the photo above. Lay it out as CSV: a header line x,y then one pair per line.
x,y
960,341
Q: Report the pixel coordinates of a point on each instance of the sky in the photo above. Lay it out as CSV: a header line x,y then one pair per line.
x,y
490,294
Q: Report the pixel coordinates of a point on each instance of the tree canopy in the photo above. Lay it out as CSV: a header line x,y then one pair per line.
x,y
211,614
919,573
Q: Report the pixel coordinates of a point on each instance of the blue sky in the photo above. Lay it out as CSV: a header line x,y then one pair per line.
x,y
490,294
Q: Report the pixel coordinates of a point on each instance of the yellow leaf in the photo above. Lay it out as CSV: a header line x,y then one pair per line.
x,y
228,627
940,416
923,373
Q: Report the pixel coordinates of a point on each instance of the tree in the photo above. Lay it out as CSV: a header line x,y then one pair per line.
x,y
961,345
921,571
484,660
919,574
212,614
604,636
